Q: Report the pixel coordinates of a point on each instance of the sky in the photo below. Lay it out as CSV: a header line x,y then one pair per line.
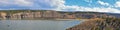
x,y
110,6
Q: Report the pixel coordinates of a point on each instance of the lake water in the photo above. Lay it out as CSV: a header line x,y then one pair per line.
x,y
37,24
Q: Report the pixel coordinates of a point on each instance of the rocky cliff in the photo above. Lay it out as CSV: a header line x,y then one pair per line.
x,y
50,14
107,24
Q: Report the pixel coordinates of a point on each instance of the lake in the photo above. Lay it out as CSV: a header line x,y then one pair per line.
x,y
37,24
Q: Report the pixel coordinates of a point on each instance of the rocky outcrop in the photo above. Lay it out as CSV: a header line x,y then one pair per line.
x,y
2,15
107,24
50,14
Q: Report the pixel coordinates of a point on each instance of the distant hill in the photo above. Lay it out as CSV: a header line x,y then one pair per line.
x,y
112,14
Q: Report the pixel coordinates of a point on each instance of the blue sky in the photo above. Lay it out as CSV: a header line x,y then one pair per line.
x,y
111,6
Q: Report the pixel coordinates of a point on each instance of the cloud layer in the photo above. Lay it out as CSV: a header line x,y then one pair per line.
x,y
118,4
58,5
103,3
15,2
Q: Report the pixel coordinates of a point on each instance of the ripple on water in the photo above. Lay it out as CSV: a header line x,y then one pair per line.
x,y
36,24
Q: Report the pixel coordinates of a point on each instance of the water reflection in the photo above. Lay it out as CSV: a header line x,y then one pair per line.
x,y
36,24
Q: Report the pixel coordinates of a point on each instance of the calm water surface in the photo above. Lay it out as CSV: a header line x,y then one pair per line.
x,y
37,24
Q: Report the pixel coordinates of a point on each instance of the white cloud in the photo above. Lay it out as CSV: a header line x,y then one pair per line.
x,y
59,4
96,9
61,7
23,2
68,8
110,10
103,3
15,2
117,4
29,4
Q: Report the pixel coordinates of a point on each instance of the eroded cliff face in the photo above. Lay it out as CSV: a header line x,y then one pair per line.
x,y
2,15
50,14
107,24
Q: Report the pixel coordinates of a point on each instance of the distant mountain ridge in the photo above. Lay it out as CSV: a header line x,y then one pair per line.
x,y
117,15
